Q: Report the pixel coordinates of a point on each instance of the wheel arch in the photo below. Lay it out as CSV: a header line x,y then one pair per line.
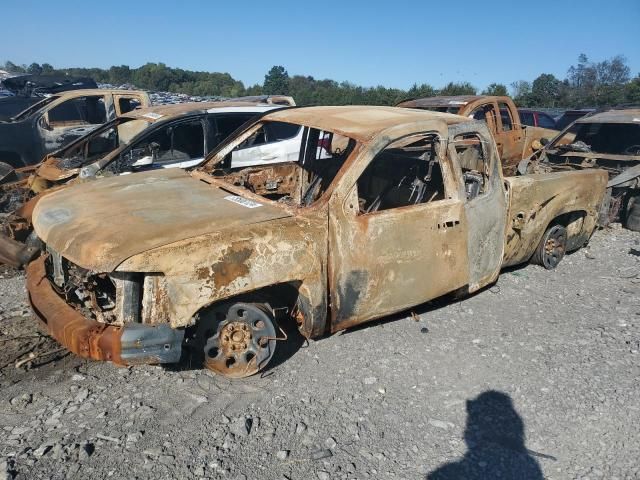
x,y
304,306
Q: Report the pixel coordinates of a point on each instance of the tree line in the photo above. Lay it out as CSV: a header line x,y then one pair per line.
x,y
587,84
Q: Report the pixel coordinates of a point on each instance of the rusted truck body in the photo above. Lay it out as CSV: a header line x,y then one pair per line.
x,y
385,208
607,140
166,136
59,119
514,139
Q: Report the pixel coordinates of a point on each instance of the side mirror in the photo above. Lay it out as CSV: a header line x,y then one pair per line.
x,y
544,141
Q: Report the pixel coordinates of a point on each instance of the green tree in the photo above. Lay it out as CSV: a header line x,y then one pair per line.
x,y
13,68
276,81
521,93
632,91
546,90
497,89
34,69
47,69
458,88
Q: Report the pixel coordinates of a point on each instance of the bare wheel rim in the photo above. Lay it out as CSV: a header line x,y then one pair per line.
x,y
243,343
554,246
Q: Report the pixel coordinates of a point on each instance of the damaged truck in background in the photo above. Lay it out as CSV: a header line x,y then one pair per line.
x,y
382,209
514,139
608,141
59,119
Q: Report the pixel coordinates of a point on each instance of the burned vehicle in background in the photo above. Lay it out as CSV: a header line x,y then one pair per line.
x,y
27,90
167,136
514,139
59,119
608,140
382,209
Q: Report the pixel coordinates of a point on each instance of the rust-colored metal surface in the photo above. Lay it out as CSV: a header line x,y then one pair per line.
x,y
84,337
212,235
514,140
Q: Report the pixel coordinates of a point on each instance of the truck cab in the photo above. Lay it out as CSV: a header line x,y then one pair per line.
x,y
59,119
514,140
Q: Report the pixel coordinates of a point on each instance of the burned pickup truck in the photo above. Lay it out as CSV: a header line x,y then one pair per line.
x,y
514,139
57,120
608,140
383,209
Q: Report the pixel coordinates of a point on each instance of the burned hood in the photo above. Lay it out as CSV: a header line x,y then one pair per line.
x,y
99,224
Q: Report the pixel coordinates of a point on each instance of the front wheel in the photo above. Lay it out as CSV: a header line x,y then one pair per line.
x,y
243,343
552,247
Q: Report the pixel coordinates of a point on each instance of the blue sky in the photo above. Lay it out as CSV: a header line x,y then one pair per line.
x,y
365,42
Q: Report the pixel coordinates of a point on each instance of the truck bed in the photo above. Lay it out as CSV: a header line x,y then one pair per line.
x,y
572,198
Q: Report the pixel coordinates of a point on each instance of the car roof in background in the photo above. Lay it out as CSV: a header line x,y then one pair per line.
x,y
161,112
445,101
624,115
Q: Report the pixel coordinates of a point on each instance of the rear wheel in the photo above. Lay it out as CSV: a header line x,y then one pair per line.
x,y
552,247
244,341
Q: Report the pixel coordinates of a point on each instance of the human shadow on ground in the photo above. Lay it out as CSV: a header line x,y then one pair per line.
x,y
495,440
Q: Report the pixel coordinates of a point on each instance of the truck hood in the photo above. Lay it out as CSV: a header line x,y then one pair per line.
x,y
99,224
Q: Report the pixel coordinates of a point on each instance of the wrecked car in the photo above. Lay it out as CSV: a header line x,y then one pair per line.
x,y
165,136
58,119
383,209
514,139
27,90
608,140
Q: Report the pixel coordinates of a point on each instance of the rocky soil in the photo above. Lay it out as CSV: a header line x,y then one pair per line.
x,y
537,376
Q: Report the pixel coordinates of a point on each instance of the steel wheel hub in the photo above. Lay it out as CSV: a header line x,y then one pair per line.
x,y
554,247
244,342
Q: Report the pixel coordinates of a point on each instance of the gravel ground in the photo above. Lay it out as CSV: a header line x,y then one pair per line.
x,y
535,377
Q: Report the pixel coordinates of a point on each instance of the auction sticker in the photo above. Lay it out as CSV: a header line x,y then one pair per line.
x,y
242,201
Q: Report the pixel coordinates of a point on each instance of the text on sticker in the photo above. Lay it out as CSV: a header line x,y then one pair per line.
x,y
242,201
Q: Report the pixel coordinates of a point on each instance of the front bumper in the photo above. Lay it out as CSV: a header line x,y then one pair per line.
x,y
130,344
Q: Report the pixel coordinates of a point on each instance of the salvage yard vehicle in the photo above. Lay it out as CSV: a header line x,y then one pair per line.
x,y
166,136
610,141
384,209
514,139
27,90
57,120
536,118
570,116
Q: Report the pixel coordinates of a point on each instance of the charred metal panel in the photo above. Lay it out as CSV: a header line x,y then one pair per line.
x,y
537,199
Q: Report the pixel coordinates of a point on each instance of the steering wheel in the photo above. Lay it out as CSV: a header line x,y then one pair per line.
x,y
632,150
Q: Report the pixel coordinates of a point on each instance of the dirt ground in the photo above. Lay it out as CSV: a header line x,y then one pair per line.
x,y
536,377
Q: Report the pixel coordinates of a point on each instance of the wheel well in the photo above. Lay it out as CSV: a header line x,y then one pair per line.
x,y
278,297
11,158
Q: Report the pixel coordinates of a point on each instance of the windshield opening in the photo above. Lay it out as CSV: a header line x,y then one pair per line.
x,y
101,142
605,138
284,162
34,108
